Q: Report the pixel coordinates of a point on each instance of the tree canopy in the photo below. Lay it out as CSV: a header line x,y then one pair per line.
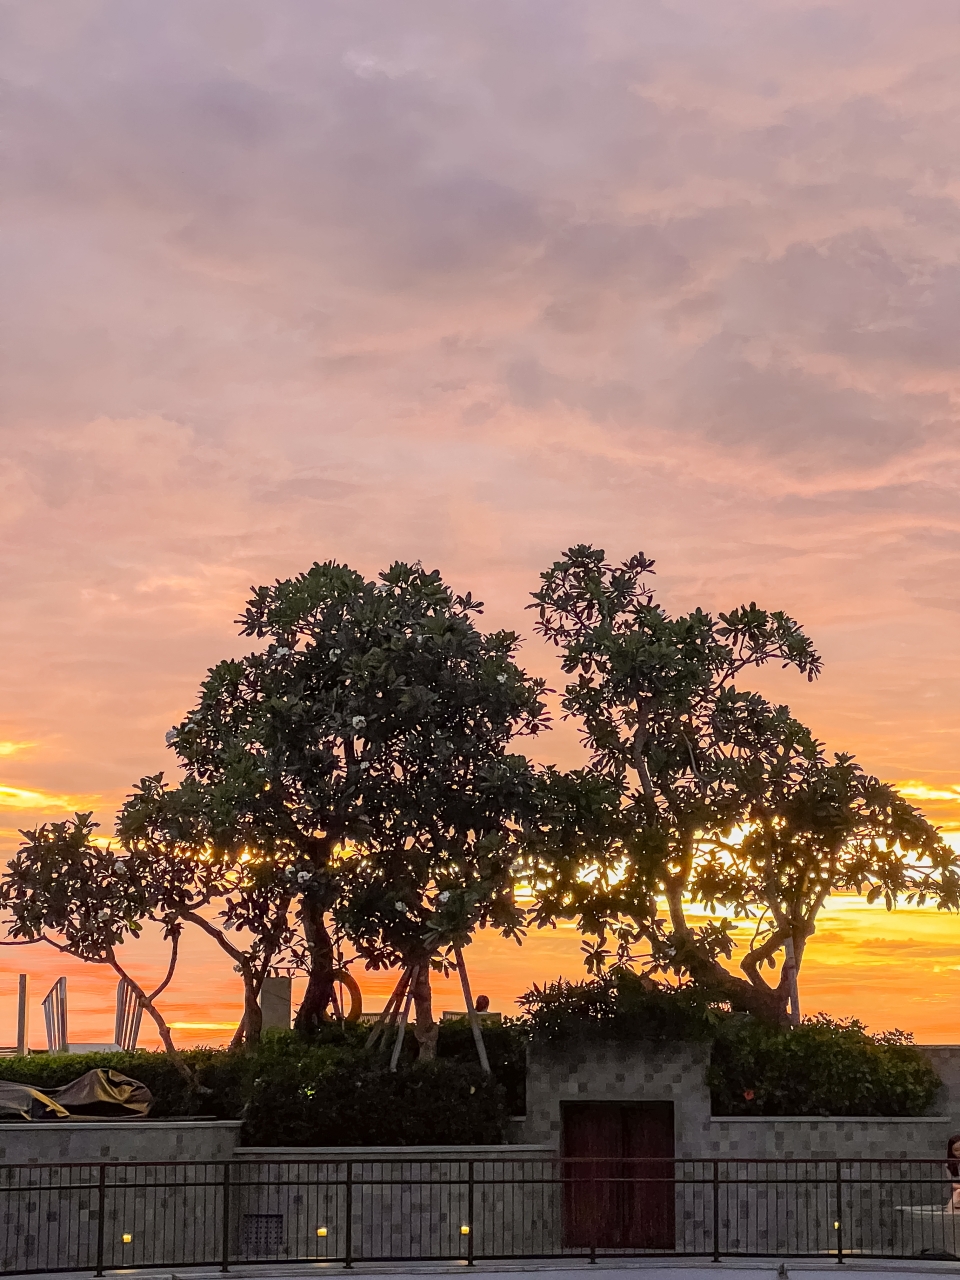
x,y
92,898
721,798
364,750
355,778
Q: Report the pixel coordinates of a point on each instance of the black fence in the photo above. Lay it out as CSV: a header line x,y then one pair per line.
x,y
100,1217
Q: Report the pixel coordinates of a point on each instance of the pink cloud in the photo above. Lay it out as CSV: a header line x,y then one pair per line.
x,y
470,283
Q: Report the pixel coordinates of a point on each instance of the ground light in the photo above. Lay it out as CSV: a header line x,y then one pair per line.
x,y
127,1238
464,1231
321,1231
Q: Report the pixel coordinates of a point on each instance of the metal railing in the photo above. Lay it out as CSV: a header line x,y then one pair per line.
x,y
101,1217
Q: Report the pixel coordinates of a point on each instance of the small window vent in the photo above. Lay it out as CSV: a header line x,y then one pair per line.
x,y
262,1234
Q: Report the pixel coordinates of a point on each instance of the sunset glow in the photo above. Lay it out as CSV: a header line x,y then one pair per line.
x,y
469,284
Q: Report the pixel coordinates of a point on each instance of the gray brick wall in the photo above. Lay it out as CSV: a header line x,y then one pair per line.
x,y
609,1072
74,1142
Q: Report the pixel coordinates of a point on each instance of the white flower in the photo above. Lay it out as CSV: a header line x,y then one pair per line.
x,y
358,722
364,765
281,650
334,653
303,877
501,679
104,915
401,908
443,897
170,736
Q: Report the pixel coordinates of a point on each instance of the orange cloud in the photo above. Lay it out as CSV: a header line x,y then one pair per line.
x,y
470,284
19,798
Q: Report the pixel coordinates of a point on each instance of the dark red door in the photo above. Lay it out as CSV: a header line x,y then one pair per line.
x,y
618,1190
649,1201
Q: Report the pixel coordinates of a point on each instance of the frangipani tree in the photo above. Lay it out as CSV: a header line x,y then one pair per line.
x,y
208,873
87,899
834,829
365,749
731,802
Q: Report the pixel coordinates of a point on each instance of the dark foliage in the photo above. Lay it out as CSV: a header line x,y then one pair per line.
x,y
227,1075
823,1067
620,1005
323,1092
351,1102
506,1044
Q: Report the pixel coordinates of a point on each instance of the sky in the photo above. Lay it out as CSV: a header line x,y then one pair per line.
x,y
470,282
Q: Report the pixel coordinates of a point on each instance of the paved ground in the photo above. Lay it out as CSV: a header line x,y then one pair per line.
x,y
612,1269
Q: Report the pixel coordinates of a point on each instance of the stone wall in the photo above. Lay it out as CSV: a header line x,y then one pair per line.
x,y
80,1141
67,1191
611,1072
945,1060
772,1205
395,1202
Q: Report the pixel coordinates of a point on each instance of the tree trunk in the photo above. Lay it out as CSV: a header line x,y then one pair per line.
x,y
769,1003
166,1039
424,1027
252,1013
319,993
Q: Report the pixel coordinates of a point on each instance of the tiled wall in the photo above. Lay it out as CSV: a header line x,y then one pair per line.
x,y
608,1072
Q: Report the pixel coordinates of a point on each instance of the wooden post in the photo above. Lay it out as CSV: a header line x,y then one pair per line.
x,y
472,1013
398,1043
790,964
23,1016
386,1018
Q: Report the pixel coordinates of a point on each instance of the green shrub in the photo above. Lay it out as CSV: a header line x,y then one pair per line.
x,y
292,1092
506,1045
351,1102
621,1005
225,1074
821,1068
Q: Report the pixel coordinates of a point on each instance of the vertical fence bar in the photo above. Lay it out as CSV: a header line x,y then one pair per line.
x,y
716,1210
348,1225
225,1234
101,1215
839,1221
471,1188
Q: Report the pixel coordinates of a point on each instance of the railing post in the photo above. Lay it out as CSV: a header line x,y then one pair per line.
x,y
470,1201
716,1210
348,1233
839,1222
225,1233
101,1215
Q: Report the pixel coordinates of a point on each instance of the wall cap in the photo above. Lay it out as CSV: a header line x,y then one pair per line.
x,y
830,1120
413,1154
120,1126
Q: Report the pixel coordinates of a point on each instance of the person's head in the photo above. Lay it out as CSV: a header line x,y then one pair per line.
x,y
953,1153
482,1004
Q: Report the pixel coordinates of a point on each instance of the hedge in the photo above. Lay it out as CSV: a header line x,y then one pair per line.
x,y
329,1091
316,1093
622,1006
824,1067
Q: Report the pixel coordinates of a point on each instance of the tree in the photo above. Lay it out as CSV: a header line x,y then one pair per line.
x,y
729,800
95,898
833,828
200,856
364,749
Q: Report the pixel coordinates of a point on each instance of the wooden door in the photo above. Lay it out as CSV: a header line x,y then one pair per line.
x,y
648,1202
618,1188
